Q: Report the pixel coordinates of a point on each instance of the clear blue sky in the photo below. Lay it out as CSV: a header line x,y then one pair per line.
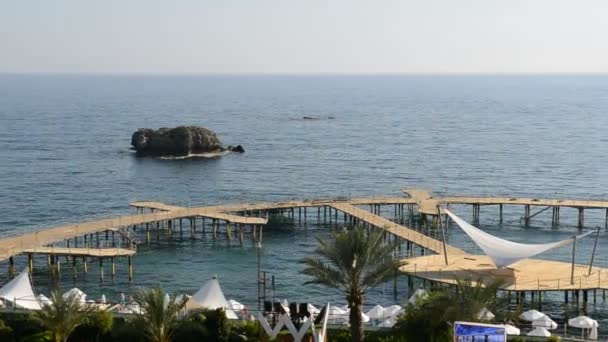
x,y
308,36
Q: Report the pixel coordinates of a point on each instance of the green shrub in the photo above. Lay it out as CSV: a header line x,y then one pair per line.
x,y
22,324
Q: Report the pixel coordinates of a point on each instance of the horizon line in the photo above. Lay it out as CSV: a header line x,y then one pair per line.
x,y
149,73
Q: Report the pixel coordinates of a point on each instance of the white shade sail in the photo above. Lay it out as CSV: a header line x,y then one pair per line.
x,y
531,315
504,252
389,323
394,310
19,291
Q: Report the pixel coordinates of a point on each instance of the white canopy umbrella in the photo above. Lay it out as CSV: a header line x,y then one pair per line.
x,y
387,323
511,330
585,322
103,299
545,322
234,305
210,296
19,292
76,294
485,315
531,315
539,331
418,294
377,312
393,310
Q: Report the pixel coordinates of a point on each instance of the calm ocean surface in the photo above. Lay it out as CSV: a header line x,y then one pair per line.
x,y
65,157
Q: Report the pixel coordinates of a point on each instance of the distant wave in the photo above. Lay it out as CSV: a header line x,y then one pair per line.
x,y
195,155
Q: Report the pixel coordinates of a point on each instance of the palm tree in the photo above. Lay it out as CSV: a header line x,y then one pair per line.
x,y
63,315
430,319
352,262
158,317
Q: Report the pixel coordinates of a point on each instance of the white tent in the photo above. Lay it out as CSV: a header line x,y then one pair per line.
x,y
531,315
545,322
377,312
539,331
504,252
76,294
393,310
485,315
387,323
335,312
420,293
511,330
210,296
585,322
364,318
103,300
19,292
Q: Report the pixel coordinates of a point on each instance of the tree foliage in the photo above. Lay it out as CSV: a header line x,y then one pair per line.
x,y
352,262
158,319
63,315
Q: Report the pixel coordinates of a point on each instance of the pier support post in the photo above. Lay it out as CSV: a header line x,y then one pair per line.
x,y
113,266
214,229
130,261
500,212
527,215
30,263
147,233
228,231
581,217
101,269
74,268
85,266
241,234
11,267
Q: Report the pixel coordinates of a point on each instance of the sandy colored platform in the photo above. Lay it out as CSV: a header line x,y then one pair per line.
x,y
92,252
525,275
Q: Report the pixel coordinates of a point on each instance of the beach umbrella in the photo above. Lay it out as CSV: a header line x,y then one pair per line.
x,y
76,293
103,299
419,294
312,309
585,322
545,322
393,310
511,330
166,301
531,315
364,318
485,315
387,323
539,331
376,312
44,300
234,305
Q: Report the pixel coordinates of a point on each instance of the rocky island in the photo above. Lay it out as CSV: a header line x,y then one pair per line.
x,y
178,142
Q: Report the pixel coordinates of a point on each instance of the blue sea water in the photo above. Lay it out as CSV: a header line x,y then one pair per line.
x,y
64,157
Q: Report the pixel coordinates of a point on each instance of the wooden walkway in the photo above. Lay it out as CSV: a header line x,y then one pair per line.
x,y
396,229
17,245
91,252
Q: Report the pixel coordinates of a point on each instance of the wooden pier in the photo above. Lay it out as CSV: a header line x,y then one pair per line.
x,y
236,220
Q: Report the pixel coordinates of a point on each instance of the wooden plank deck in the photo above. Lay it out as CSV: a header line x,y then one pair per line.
x,y
525,275
92,252
396,229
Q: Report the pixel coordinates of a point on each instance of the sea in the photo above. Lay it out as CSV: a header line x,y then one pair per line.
x,y
65,157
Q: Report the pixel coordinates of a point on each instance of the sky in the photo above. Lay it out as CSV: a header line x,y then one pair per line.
x,y
302,37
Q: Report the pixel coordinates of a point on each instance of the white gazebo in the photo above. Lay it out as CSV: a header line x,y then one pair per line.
x,y
210,296
19,292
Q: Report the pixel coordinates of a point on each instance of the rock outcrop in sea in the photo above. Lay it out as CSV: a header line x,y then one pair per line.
x,y
178,142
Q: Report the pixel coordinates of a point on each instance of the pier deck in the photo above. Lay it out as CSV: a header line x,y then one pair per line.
x,y
526,275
